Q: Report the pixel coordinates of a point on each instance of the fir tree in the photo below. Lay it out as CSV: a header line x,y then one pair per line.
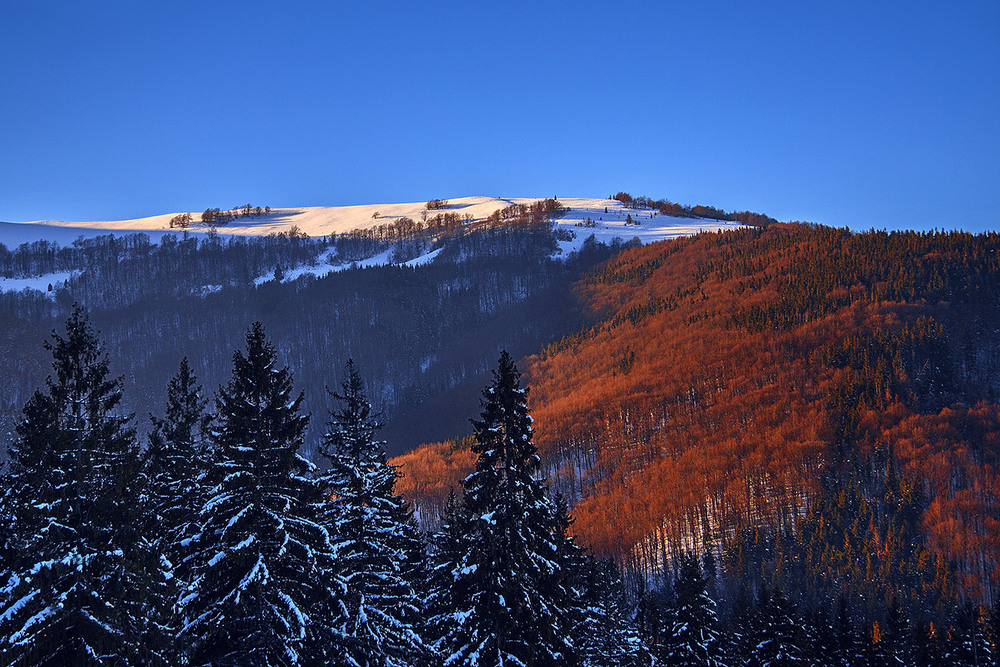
x,y
845,643
778,638
895,636
174,464
993,630
173,468
604,636
875,652
570,580
262,586
739,641
709,564
819,638
596,608
379,553
929,645
506,603
447,547
78,591
693,638
967,641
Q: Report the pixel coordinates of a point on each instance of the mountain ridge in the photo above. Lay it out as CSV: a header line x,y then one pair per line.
x,y
605,218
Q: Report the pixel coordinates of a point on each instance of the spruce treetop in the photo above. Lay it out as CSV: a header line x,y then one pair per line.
x,y
259,588
79,565
508,461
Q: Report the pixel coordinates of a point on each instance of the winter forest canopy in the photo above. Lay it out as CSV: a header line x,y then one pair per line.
x,y
778,446
219,543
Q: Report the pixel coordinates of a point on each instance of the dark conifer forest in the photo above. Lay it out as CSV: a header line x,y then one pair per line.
x,y
770,446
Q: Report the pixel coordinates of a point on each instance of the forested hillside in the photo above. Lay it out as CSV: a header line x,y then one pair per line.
x,y
814,408
423,333
219,543
783,438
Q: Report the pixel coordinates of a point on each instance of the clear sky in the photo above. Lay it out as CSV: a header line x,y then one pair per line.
x,y
864,114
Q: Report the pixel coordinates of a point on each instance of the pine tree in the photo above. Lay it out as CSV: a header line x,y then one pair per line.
x,y
506,604
967,641
845,643
262,588
604,636
379,552
778,637
174,464
78,591
693,638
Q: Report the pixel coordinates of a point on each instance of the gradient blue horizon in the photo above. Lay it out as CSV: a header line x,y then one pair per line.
x,y
853,114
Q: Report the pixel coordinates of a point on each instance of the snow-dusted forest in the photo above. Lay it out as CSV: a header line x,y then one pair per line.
x,y
219,543
169,501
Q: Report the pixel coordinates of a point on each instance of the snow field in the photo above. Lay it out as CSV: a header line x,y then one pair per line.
x,y
604,219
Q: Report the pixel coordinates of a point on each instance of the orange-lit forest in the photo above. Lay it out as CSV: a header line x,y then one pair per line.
x,y
815,408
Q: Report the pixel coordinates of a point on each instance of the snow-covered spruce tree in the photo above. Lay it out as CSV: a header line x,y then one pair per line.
x,y
596,608
174,464
447,547
378,548
504,603
968,641
693,638
262,586
604,636
778,636
895,633
845,644
818,637
79,588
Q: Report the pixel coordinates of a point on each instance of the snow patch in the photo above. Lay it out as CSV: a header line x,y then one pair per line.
x,y
609,219
38,283
424,259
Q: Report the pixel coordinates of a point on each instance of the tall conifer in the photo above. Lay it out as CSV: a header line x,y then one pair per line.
x,y
174,465
605,637
379,553
79,587
262,587
507,604
778,636
693,638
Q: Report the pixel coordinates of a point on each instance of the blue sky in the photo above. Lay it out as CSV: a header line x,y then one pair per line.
x,y
859,114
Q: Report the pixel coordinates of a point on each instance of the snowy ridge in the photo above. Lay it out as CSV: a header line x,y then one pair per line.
x,y
325,220
603,219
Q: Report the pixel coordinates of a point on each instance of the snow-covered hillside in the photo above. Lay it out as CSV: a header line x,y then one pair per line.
x,y
604,218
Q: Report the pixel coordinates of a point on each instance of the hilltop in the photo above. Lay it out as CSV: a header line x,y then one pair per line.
x,y
604,218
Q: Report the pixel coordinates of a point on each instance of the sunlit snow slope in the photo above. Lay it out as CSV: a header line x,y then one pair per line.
x,y
324,220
